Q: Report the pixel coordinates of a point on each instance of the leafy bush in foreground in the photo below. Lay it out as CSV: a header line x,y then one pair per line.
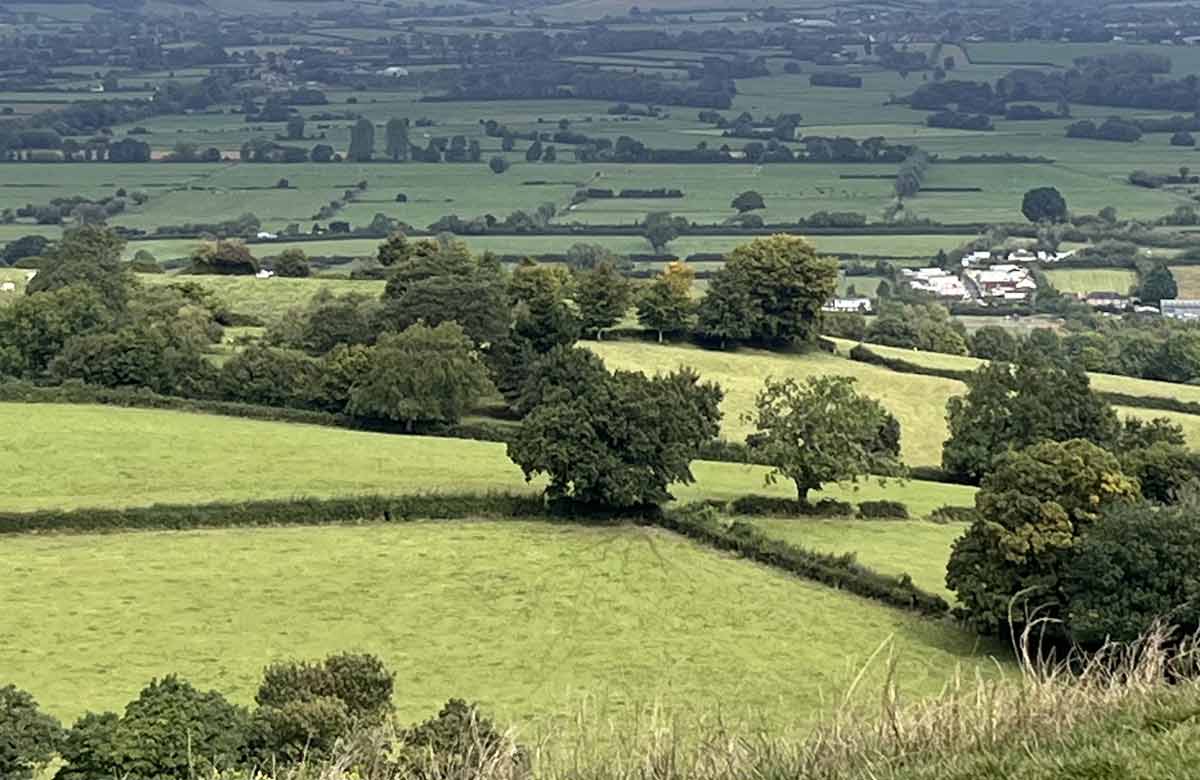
x,y
29,738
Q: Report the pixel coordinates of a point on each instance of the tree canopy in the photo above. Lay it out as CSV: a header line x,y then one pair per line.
x,y
769,292
665,305
822,430
1044,204
618,440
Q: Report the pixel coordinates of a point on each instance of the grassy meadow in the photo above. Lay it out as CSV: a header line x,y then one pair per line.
x,y
69,456
1087,280
268,299
918,548
536,620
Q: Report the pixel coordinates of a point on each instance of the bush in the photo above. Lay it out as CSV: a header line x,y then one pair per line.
x,y
771,506
883,509
304,708
29,738
1136,565
292,263
171,730
843,325
459,742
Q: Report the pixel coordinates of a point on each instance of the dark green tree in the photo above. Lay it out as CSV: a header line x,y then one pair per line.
x,y
292,263
776,286
88,255
993,342
603,296
498,164
660,229
1009,407
665,305
295,127
1044,204
396,136
1033,508
1136,565
534,152
822,430
362,141
228,258
423,375
34,328
1157,284
22,248
748,201
562,368
621,441
29,738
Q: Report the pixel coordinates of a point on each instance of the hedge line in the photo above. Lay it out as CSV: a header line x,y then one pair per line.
x,y
837,571
1155,402
289,511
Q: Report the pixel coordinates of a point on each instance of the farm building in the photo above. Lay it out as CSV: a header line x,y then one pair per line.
x,y
1180,309
1006,282
1105,299
936,282
853,305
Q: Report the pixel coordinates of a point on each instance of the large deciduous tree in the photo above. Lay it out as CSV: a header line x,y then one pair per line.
x,y
770,292
603,296
822,430
441,281
665,305
660,229
89,255
1033,509
362,141
748,201
1011,407
1157,284
618,440
396,138
1044,204
421,375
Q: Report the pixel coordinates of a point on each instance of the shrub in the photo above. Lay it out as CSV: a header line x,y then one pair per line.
x,y
954,514
883,509
1136,565
459,742
29,738
305,707
292,263
771,506
171,730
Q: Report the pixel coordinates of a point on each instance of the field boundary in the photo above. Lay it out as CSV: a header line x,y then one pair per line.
x,y
841,572
864,354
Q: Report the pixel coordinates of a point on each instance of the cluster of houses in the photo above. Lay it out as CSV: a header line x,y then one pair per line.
x,y
1021,256
990,285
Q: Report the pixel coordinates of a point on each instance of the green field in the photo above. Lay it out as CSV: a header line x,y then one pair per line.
x,y
1087,280
915,547
268,299
89,456
1188,279
919,402
535,620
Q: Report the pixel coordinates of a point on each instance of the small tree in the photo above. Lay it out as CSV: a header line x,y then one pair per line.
x,y
1044,204
292,263
29,738
1158,284
295,127
396,137
229,258
993,342
421,375
818,431
748,201
1033,509
603,297
660,229
534,152
665,305
362,141
498,164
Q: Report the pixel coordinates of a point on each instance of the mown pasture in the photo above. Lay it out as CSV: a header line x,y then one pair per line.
x,y
541,622
1087,280
70,456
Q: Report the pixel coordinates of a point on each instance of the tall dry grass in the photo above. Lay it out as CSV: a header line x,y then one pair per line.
x,y
1034,709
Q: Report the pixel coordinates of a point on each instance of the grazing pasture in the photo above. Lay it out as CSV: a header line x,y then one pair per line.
x,y
1086,280
539,622
69,456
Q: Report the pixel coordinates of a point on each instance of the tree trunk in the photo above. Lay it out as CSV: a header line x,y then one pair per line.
x,y
599,334
801,493
660,337
408,426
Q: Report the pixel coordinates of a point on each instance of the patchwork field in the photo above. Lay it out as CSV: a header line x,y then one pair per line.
x,y
538,621
88,456
915,547
1086,280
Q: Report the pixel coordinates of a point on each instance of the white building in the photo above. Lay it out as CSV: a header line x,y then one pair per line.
x,y
1006,282
853,305
936,282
